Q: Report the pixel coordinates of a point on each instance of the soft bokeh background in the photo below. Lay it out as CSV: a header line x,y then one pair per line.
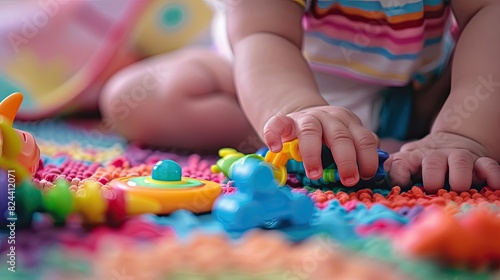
x,y
58,53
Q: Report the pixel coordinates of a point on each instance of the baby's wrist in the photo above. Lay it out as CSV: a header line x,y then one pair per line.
x,y
439,136
293,106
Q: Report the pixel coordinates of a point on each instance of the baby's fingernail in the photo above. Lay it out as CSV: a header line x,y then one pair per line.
x,y
315,173
350,181
275,147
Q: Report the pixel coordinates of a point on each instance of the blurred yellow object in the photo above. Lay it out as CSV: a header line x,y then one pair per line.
x,y
167,25
18,149
289,151
90,203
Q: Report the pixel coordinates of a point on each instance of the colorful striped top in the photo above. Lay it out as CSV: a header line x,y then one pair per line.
x,y
385,42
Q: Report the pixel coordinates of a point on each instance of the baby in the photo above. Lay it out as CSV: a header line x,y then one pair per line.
x,y
335,72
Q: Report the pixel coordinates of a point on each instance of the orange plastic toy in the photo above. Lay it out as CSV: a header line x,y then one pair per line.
x,y
19,150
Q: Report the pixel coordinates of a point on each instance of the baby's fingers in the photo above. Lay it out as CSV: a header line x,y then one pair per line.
x,y
340,141
460,170
434,169
401,166
488,170
309,134
366,144
277,128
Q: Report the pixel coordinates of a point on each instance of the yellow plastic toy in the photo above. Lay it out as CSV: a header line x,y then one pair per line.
x,y
278,160
19,150
289,151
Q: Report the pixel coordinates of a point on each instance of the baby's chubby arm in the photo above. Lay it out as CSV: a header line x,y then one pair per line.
x,y
279,95
476,75
464,143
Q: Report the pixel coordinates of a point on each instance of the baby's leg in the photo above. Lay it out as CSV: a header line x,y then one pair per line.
x,y
184,99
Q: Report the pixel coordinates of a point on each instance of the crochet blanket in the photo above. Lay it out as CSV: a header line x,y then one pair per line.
x,y
367,233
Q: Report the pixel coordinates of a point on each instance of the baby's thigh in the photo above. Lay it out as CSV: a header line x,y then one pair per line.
x,y
135,99
184,72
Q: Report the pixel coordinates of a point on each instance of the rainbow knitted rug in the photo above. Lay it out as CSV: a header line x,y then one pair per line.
x,y
391,233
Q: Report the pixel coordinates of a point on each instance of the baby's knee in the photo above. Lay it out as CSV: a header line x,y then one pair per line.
x,y
114,97
122,100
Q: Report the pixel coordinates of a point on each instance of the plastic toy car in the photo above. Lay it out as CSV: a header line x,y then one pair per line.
x,y
331,175
258,200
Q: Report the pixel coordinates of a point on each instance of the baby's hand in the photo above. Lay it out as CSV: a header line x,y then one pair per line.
x,y
441,155
354,148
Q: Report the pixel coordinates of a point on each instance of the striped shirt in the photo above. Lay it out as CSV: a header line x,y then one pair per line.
x,y
384,42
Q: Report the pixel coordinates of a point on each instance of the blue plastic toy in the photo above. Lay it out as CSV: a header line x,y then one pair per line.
x,y
288,161
258,200
263,200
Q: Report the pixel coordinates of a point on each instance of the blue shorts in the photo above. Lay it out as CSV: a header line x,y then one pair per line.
x,y
395,113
